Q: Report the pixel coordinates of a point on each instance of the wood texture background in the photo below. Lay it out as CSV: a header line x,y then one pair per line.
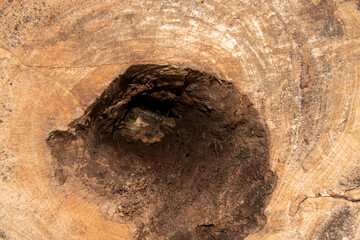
x,y
298,62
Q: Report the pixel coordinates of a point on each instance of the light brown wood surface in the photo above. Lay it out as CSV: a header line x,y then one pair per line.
x,y
298,61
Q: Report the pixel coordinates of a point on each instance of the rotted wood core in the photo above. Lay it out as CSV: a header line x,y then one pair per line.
x,y
180,153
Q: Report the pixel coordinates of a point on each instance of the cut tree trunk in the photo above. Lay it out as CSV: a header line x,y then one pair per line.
x,y
180,119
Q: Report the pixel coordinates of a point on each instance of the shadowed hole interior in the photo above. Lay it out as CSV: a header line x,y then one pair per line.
x,y
178,152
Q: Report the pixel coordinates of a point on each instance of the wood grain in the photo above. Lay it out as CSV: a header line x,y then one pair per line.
x,y
297,61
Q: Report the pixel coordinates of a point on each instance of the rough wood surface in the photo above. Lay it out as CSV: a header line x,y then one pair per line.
x,y
297,61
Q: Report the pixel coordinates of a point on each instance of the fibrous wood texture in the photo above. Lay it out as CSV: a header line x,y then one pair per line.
x,y
297,61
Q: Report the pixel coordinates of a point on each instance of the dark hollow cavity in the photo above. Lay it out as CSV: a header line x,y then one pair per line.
x,y
182,154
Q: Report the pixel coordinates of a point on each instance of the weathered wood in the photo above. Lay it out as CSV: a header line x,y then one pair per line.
x,y
297,61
